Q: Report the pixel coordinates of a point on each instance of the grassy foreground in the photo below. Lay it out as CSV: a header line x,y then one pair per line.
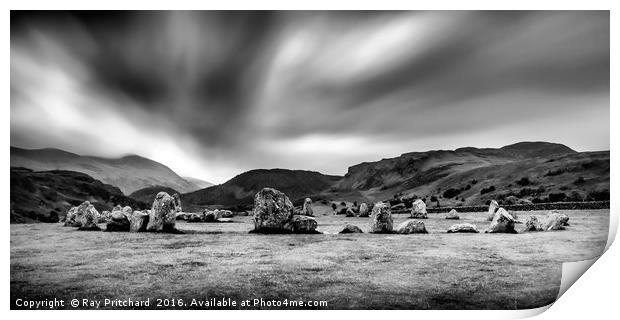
x,y
353,271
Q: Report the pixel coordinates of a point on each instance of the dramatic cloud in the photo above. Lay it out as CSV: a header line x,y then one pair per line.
x,y
212,94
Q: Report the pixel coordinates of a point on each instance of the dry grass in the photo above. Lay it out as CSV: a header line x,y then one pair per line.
x,y
360,271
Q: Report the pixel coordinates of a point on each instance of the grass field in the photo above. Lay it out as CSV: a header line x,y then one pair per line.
x,y
352,271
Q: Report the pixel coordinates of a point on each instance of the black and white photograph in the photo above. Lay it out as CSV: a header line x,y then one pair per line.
x,y
305,159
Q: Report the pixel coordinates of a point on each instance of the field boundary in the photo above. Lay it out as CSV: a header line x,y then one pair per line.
x,y
522,207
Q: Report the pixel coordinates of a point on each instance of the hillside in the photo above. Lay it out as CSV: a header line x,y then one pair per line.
x,y
147,195
241,189
47,195
129,173
527,170
201,184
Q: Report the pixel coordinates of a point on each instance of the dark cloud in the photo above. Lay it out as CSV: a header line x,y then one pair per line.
x,y
220,86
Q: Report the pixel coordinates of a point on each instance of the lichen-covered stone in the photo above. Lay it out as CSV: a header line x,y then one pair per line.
x,y
138,221
225,214
503,222
307,208
119,221
272,212
350,212
87,216
463,228
349,228
196,217
163,214
418,209
411,226
303,224
555,220
493,206
364,212
381,218
209,216
453,215
71,218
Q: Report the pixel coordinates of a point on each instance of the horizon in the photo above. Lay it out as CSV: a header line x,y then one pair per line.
x,y
300,169
215,94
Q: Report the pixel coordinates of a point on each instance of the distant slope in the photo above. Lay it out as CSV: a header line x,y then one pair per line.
x,y
201,184
432,173
129,173
148,194
242,188
47,195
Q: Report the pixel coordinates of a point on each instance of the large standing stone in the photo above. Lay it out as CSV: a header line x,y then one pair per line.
x,y
138,221
272,212
463,228
363,210
88,217
493,206
411,226
418,209
349,228
453,215
502,222
381,218
177,202
307,208
163,214
303,224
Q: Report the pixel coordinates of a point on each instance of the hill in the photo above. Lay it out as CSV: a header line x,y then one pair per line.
x,y
147,195
201,184
129,173
241,189
531,171
46,195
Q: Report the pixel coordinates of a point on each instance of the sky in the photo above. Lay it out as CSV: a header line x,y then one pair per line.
x,y
212,94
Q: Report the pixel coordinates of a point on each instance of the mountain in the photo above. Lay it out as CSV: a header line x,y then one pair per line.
x,y
241,189
201,184
47,195
129,173
526,170
148,194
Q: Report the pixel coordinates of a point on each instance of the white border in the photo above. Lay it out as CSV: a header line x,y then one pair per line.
x,y
592,296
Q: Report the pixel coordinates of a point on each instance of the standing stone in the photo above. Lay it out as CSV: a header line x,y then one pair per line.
x,y
493,206
303,224
272,212
532,224
307,208
350,213
177,202
138,221
209,216
106,216
349,228
554,221
463,228
418,209
503,222
163,213
119,221
88,217
196,217
453,215
363,210
411,226
71,218
225,214
381,218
